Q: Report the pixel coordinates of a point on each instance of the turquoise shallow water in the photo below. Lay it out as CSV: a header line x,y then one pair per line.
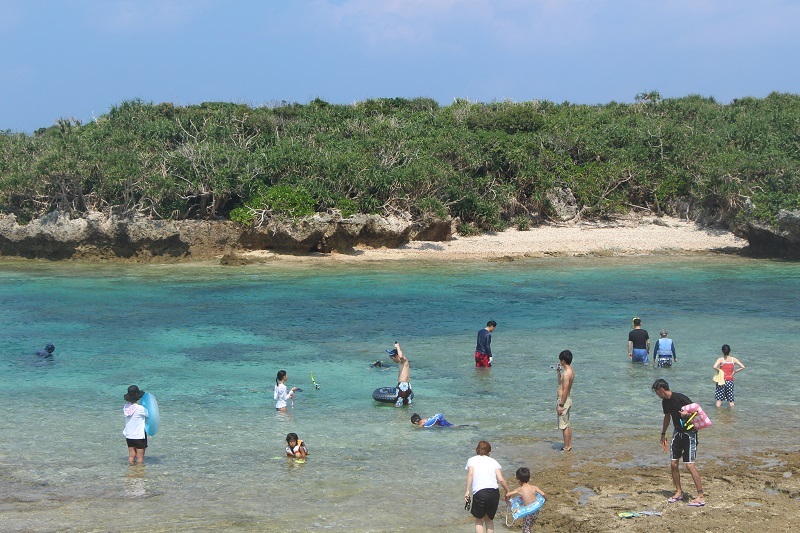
x,y
207,341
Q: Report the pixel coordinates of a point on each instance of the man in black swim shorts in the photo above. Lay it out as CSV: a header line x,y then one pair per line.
x,y
683,444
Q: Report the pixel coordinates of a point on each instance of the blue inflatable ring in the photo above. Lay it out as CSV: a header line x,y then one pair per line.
x,y
518,511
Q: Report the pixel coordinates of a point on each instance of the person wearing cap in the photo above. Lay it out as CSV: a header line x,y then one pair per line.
x,y
483,349
403,395
638,343
664,350
135,417
47,351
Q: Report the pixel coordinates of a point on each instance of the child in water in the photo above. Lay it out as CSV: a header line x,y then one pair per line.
x,y
295,447
281,393
528,493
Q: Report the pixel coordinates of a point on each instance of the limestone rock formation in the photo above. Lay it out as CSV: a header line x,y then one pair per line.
x,y
781,240
563,204
135,238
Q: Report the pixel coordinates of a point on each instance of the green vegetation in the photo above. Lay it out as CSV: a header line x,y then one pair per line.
x,y
489,164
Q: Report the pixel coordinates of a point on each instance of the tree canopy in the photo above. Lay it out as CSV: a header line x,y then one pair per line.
x,y
491,164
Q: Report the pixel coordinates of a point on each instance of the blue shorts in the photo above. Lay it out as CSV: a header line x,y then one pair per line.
x,y
640,356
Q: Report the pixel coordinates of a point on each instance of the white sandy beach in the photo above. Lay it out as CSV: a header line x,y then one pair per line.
x,y
628,236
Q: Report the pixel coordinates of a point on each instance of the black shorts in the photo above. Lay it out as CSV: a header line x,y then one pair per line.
x,y
684,446
140,444
485,502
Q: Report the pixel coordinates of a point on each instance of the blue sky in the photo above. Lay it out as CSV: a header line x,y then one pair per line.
x,y
77,58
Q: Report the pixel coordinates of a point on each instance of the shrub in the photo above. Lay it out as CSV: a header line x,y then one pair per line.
x,y
287,202
468,229
241,215
431,208
522,222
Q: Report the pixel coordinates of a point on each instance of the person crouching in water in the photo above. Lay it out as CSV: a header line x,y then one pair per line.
x,y
295,447
135,417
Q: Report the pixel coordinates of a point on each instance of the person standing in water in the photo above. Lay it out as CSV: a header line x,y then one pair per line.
x,y
565,377
135,419
638,343
483,349
664,350
727,363
484,479
281,394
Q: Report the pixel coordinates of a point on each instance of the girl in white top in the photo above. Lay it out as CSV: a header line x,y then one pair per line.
x,y
135,418
281,394
483,478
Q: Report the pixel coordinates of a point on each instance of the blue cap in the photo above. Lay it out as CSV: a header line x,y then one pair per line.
x,y
392,352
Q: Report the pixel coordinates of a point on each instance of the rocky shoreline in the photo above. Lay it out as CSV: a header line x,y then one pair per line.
x,y
99,237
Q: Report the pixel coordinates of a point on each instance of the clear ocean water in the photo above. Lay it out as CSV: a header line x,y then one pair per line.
x,y
208,340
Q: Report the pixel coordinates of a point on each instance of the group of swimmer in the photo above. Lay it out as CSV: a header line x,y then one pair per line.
x,y
664,355
679,408
483,473
484,476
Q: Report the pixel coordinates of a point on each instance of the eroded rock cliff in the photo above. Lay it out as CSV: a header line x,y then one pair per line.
x,y
97,236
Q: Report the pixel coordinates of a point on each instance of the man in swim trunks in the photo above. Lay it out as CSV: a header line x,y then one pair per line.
x,y
638,343
684,442
403,374
483,350
565,377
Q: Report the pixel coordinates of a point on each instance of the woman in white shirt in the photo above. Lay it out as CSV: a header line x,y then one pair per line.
x,y
281,393
483,478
